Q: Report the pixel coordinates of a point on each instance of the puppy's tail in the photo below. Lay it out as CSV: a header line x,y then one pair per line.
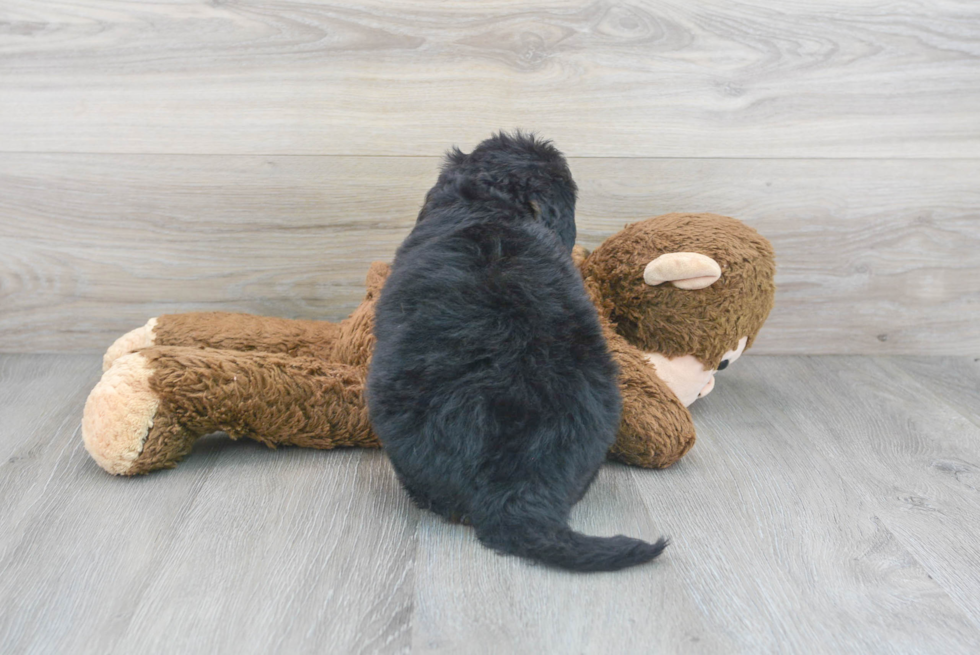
x,y
554,544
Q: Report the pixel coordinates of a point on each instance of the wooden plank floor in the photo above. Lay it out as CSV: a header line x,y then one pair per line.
x,y
830,505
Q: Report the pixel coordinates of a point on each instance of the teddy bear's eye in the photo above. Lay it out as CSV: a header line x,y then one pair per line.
x,y
723,365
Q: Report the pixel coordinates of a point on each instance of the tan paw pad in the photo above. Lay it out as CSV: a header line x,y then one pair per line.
x,y
141,337
119,414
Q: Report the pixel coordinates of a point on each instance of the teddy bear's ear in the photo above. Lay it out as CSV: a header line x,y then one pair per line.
x,y
579,254
685,270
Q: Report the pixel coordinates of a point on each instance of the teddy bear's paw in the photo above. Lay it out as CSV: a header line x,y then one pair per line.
x,y
141,337
119,414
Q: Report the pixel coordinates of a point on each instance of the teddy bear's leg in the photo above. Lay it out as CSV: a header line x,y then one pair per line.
x,y
151,406
122,426
227,331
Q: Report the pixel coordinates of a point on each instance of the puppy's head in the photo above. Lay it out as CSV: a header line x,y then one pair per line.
x,y
517,168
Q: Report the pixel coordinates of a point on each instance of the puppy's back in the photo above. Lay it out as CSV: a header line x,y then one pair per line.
x,y
491,386
488,325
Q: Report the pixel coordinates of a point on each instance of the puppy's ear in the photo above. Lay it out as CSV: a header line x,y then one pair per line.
x,y
556,209
685,270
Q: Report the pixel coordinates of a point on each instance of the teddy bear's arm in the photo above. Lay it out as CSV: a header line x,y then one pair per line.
x,y
248,333
354,344
151,406
656,429
228,331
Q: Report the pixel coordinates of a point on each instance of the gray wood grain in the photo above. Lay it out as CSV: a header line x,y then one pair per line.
x,y
38,396
873,256
747,79
955,381
769,542
240,545
818,512
471,600
288,551
912,457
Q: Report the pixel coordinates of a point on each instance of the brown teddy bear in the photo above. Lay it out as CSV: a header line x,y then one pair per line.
x,y
679,296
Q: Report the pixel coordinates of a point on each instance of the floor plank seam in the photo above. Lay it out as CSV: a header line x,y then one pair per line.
x,y
965,610
942,400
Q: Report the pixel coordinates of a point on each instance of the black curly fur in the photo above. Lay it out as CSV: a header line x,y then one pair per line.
x,y
491,387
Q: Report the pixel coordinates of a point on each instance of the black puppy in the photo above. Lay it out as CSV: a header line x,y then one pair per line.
x,y
491,387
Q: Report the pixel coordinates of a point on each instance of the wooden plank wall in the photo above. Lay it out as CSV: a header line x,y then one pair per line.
x,y
256,155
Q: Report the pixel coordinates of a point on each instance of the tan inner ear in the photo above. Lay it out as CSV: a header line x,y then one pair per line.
x,y
685,270
579,254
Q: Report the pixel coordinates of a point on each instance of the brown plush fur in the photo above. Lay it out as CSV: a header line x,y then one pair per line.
x,y
278,381
705,323
272,398
248,333
301,383
656,429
